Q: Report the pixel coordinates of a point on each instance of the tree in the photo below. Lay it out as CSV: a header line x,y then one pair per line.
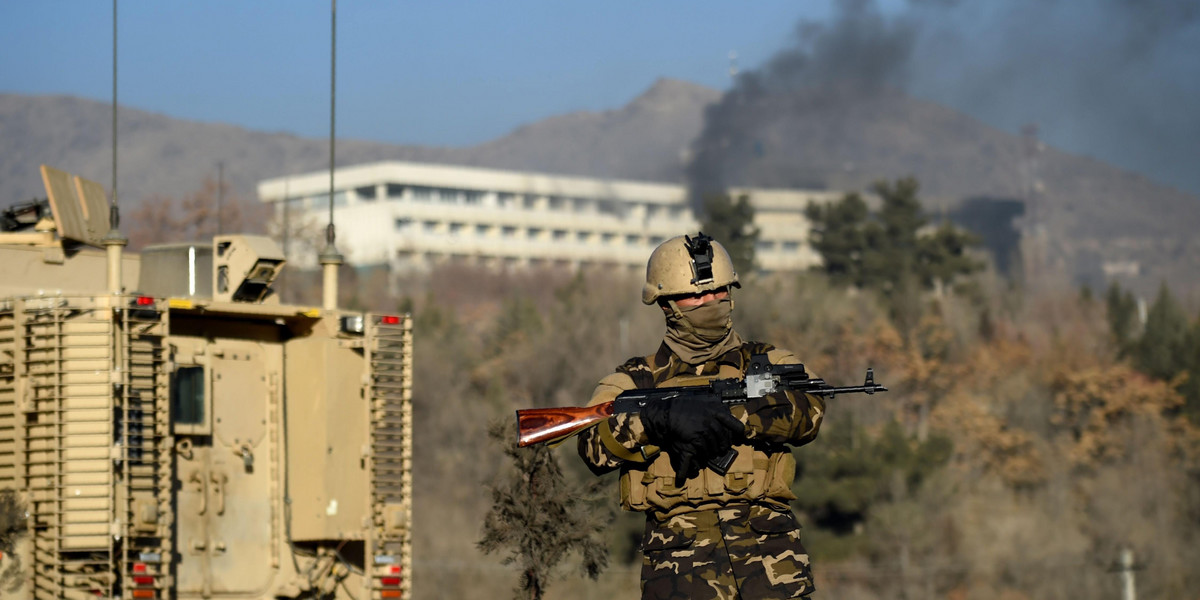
x,y
12,529
539,518
892,252
732,223
1122,317
1161,352
193,217
842,479
838,236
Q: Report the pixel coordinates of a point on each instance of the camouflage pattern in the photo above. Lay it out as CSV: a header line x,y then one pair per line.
x,y
736,552
716,537
780,418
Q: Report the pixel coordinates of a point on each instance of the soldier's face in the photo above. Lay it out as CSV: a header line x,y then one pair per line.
x,y
698,299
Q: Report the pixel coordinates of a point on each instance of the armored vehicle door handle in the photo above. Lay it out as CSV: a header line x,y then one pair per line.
x,y
198,478
219,480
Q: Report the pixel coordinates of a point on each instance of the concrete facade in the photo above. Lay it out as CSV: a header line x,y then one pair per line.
x,y
414,215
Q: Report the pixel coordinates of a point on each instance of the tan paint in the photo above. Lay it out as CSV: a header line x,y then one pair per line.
x,y
289,404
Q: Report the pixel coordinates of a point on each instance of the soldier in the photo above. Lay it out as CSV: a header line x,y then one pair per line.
x,y
708,536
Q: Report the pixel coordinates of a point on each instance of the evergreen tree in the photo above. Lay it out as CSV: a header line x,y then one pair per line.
x,y
1190,389
838,236
732,223
841,479
1122,317
538,517
890,253
1161,351
942,256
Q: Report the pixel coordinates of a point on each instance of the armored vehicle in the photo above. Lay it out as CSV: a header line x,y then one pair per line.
x,y
175,432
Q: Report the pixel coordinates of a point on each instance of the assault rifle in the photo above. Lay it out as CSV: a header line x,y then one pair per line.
x,y
555,425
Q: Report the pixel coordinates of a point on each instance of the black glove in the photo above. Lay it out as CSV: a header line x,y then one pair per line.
x,y
693,431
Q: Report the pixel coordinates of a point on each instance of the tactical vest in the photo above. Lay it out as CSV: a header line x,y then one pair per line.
x,y
761,472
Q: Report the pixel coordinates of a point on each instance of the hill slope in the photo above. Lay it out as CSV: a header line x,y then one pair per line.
x,y
1091,213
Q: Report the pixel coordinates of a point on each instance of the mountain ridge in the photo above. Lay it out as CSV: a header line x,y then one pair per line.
x,y
1094,213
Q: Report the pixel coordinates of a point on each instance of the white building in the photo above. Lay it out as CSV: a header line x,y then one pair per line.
x,y
412,215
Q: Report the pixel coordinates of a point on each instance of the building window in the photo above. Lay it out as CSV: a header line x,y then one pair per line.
x,y
607,238
655,240
448,196
609,207
403,224
509,231
651,211
430,226
582,205
765,246
556,203
422,193
791,246
482,229
504,199
582,236
633,240
456,228
560,234
395,191
677,212
366,192
473,197
534,233
529,201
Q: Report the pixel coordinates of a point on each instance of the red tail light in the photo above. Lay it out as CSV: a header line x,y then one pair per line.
x,y
389,320
144,301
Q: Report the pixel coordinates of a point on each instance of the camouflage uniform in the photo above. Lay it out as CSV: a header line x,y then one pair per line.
x,y
716,537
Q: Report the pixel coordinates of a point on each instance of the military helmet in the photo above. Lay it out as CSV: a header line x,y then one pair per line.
x,y
687,265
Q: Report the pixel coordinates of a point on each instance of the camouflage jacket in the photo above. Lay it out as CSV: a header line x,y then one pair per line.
x,y
764,469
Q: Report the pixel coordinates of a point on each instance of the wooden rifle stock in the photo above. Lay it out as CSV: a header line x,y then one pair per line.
x,y
537,425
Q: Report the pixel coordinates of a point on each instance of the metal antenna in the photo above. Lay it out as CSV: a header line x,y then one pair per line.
x,y
220,194
330,234
330,259
113,240
112,207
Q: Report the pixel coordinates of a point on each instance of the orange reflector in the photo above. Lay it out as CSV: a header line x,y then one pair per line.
x,y
389,320
392,581
144,301
143,593
389,594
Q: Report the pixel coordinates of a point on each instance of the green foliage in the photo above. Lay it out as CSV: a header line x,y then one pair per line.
x,y
732,223
1168,348
840,238
537,517
849,473
1122,317
890,252
1162,350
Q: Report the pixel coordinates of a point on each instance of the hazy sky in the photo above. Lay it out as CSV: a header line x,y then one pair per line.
x,y
1117,80
436,73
